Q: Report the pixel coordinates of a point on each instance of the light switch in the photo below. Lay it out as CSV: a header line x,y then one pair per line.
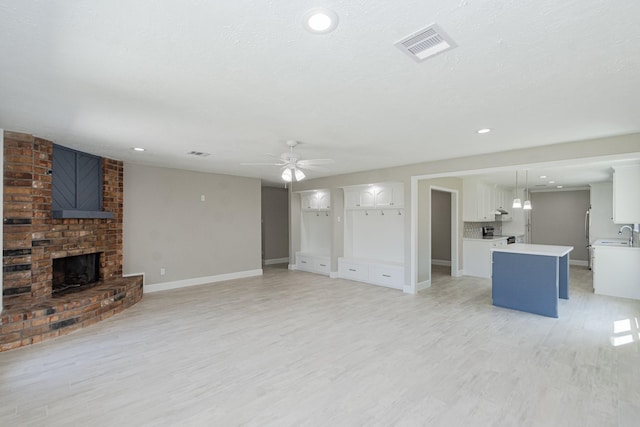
x,y
202,198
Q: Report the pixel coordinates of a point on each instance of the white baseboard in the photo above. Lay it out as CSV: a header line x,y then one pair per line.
x,y
423,285
196,281
578,262
441,262
292,267
276,261
458,273
333,275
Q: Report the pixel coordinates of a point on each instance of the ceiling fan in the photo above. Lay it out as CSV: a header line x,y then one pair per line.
x,y
292,164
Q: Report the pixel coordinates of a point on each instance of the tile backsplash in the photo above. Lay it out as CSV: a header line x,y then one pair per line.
x,y
473,230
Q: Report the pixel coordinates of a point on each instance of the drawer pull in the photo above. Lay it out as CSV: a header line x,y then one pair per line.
x,y
303,262
323,265
385,275
352,269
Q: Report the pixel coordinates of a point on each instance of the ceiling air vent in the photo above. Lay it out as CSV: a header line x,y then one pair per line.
x,y
425,43
198,153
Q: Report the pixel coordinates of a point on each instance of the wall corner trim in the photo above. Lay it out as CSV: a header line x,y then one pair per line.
x,y
334,275
196,281
292,267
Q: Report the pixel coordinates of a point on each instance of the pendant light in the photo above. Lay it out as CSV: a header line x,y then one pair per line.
x,y
527,203
517,203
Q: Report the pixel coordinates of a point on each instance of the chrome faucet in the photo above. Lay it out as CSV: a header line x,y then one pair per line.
x,y
630,230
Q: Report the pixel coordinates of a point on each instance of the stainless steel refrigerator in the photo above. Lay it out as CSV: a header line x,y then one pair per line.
x,y
587,227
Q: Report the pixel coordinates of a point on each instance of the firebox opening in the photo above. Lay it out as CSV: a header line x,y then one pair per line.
x,y
74,273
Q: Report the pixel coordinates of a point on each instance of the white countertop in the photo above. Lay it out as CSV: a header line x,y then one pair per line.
x,y
481,239
529,249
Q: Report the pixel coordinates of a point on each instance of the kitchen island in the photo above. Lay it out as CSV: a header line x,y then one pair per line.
x,y
530,277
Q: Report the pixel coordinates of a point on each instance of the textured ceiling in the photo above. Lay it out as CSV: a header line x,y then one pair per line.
x,y
238,78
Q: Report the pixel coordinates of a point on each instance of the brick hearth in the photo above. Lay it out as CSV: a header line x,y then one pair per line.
x,y
33,238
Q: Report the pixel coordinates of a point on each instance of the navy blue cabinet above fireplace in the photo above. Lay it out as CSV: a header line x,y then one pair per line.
x,y
77,184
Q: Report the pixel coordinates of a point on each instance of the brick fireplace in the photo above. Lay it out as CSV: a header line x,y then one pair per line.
x,y
33,239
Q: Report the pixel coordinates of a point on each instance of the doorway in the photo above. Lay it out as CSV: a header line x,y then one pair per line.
x,y
423,191
440,234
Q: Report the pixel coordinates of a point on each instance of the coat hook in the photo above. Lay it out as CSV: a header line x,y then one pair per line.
x,y
381,212
399,213
366,213
317,213
326,214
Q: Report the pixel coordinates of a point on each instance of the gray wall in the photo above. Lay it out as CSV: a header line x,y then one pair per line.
x,y
440,225
275,223
166,225
557,218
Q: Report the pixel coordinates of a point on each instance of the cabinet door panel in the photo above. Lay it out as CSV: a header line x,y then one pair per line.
x,y
384,196
367,198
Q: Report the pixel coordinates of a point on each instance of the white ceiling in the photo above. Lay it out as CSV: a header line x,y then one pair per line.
x,y
238,78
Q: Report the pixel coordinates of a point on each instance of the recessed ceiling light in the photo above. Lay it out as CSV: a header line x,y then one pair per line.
x,y
543,176
558,186
137,149
319,20
552,182
485,130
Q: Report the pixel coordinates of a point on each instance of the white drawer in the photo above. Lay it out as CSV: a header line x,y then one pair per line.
x,y
353,271
304,263
322,265
384,275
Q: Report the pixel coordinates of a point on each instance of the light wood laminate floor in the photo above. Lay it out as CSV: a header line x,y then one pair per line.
x,y
298,349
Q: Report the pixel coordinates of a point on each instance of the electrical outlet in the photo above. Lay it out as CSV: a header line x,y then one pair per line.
x,y
202,198
162,271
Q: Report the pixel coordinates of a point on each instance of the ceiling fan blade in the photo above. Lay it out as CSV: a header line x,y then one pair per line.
x,y
262,164
315,162
312,168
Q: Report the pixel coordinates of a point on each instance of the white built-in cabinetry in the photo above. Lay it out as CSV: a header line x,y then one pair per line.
x,y
315,233
476,254
375,196
626,199
480,201
374,235
317,200
504,200
372,271
616,271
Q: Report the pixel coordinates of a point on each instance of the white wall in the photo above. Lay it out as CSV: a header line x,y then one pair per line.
x,y
166,225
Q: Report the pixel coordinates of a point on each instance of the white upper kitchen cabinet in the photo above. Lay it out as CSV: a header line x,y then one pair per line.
x,y
626,194
478,202
601,199
504,200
